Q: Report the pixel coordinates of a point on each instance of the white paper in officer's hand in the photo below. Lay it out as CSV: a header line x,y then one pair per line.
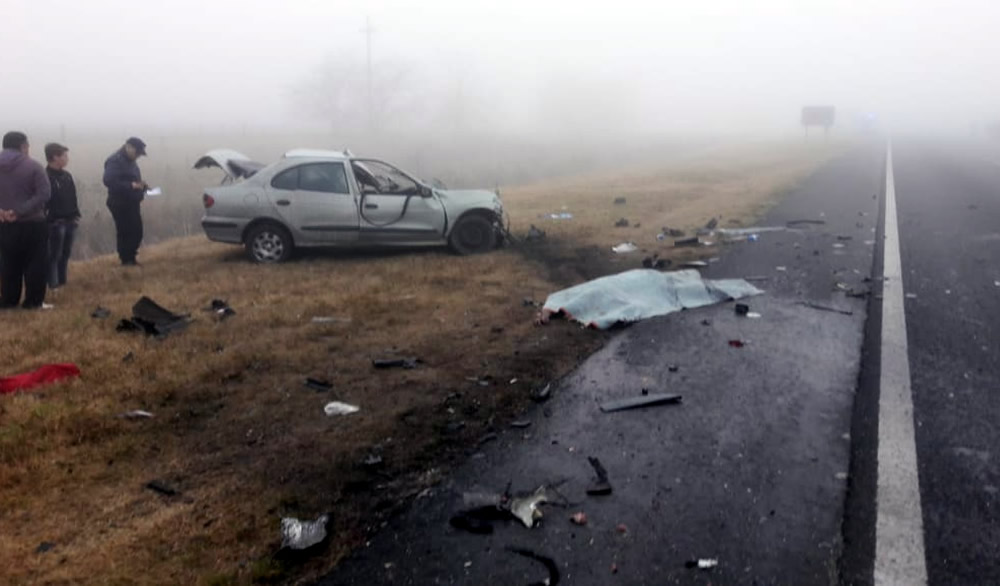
x,y
154,191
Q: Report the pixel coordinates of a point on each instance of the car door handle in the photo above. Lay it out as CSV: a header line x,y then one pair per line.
x,y
283,202
371,206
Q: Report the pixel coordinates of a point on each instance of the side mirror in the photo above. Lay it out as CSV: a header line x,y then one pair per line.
x,y
426,191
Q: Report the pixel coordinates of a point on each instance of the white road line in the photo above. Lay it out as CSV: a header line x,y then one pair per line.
x,y
899,528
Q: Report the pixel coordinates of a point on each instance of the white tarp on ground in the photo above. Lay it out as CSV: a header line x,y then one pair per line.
x,y
642,293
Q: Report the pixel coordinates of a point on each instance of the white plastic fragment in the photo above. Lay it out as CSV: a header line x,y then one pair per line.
x,y
338,408
707,564
297,534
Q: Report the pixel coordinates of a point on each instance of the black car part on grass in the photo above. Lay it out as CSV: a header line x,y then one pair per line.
x,y
153,320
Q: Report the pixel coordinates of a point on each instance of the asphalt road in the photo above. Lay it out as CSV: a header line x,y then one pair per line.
x,y
750,470
949,225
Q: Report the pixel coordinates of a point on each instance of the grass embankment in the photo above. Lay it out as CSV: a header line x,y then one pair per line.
x,y
237,434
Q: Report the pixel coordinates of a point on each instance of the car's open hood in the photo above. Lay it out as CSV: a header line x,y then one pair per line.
x,y
234,164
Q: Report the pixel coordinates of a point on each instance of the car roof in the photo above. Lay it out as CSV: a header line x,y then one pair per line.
x,y
317,153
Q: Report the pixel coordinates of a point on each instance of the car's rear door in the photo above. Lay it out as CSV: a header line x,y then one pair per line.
x,y
315,201
392,208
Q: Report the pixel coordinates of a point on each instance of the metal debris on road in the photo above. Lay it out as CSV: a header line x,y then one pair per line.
x,y
624,247
644,401
296,534
825,308
338,408
702,564
601,486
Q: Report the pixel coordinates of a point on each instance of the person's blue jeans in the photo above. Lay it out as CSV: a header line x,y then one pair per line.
x,y
61,236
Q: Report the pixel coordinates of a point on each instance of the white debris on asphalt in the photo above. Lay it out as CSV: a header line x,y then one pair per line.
x,y
297,534
338,408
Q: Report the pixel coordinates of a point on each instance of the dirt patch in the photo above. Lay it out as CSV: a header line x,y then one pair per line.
x,y
236,435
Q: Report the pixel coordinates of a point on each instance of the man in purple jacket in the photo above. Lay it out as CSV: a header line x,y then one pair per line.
x,y
24,233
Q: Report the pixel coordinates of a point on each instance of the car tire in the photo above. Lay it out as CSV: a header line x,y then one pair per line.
x,y
268,243
473,234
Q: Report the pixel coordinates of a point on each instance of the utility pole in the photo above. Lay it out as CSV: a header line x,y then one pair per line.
x,y
368,30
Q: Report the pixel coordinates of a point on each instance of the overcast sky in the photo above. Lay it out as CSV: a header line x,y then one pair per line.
x,y
652,67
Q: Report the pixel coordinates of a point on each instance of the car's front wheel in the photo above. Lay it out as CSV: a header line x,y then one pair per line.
x,y
473,234
268,243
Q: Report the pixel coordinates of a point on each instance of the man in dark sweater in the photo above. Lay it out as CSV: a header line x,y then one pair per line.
x,y
63,213
126,190
24,191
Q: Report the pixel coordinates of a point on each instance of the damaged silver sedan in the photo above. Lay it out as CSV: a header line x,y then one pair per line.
x,y
316,198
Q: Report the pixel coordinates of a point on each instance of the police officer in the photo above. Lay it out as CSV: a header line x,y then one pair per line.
x,y
126,190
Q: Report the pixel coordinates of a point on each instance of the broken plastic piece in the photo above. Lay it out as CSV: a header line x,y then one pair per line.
x,y
297,534
742,309
702,564
406,363
320,386
579,518
136,414
694,264
644,401
622,223
338,408
624,247
526,509
693,241
737,343
825,308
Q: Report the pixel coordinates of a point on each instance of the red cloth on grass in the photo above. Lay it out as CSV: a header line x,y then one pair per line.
x,y
49,373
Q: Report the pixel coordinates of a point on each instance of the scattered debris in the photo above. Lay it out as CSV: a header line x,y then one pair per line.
x,y
129,357
781,269
825,308
619,201
911,295
372,459
579,518
43,375
706,322
845,238
621,528
694,264
221,309
528,302
153,320
549,563
702,564
673,368
560,216
136,414
737,343
801,222
320,386
675,232
742,309
297,534
520,424
543,394
693,241
625,247
44,546
534,234
838,245
622,223
405,363
753,315
526,509
757,278
711,225
644,401
654,262
745,232
601,486
100,313
162,488
338,408
324,319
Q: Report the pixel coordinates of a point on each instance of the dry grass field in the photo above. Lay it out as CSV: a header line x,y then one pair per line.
x,y
237,434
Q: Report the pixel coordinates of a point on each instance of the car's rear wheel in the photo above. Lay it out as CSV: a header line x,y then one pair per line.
x,y
473,234
268,243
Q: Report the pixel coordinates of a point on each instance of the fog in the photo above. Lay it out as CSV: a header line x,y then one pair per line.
x,y
516,68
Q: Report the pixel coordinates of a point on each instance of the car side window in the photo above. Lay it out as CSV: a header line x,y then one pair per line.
x,y
324,177
384,178
288,179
